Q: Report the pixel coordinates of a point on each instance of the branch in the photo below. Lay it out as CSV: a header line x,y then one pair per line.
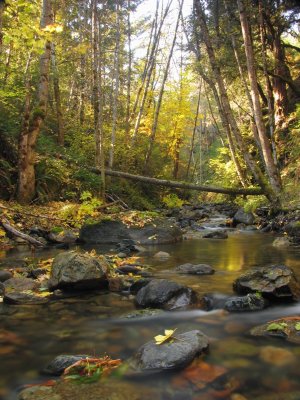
x,y
10,229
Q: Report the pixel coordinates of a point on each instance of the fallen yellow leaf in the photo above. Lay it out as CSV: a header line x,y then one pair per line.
x,y
160,339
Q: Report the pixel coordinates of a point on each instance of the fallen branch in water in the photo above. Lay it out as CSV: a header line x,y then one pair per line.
x,y
10,229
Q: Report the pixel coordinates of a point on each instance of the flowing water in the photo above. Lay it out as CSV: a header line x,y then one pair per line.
x,y
91,324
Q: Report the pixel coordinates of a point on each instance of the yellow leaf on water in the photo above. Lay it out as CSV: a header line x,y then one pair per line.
x,y
160,339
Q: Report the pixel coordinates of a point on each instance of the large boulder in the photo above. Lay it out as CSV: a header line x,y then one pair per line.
x,y
72,270
173,354
62,236
160,231
195,269
275,281
5,275
161,293
243,217
23,298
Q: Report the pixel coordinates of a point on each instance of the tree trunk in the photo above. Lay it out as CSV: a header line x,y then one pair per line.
x,y
2,5
128,95
26,172
57,96
194,133
272,171
116,88
161,92
97,95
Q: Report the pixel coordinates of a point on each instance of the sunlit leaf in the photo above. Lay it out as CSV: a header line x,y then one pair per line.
x,y
160,339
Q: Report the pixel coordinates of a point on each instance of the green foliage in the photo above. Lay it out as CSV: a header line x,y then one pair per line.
x,y
277,326
251,203
297,326
172,201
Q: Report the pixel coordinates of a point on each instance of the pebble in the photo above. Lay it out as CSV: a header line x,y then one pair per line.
x,y
276,356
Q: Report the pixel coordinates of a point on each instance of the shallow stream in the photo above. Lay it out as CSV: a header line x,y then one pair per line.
x,y
91,324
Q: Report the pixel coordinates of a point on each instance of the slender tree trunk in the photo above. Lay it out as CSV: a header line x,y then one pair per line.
x,y
26,181
194,133
98,128
7,63
265,144
161,92
270,97
152,60
128,95
2,5
57,96
116,88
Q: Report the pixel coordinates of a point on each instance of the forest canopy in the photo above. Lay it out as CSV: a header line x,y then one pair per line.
x,y
203,92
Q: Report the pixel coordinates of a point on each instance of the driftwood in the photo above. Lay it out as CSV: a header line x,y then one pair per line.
x,y
10,229
181,185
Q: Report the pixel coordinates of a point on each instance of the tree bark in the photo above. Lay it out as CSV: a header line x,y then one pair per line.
x,y
2,5
272,171
57,96
129,72
26,171
115,88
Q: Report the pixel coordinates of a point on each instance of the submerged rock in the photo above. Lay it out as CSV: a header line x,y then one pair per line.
x,y
276,356
103,389
162,255
220,234
160,231
148,312
251,302
72,270
60,363
195,269
161,293
174,354
281,242
286,328
275,281
243,217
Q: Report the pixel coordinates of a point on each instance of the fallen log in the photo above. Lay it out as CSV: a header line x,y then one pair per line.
x,y
10,229
181,185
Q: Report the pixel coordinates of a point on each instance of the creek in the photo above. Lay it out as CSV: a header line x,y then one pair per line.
x,y
93,324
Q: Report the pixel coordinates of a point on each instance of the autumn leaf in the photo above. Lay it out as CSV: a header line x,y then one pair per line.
x,y
297,326
277,326
160,339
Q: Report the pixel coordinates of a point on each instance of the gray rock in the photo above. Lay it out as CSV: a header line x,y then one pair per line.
x,y
2,289
20,298
72,270
20,284
216,235
293,229
160,231
242,217
60,363
173,354
277,281
161,293
195,269
64,236
5,275
148,312
251,302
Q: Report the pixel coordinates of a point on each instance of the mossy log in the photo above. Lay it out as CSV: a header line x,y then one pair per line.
x,y
182,185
